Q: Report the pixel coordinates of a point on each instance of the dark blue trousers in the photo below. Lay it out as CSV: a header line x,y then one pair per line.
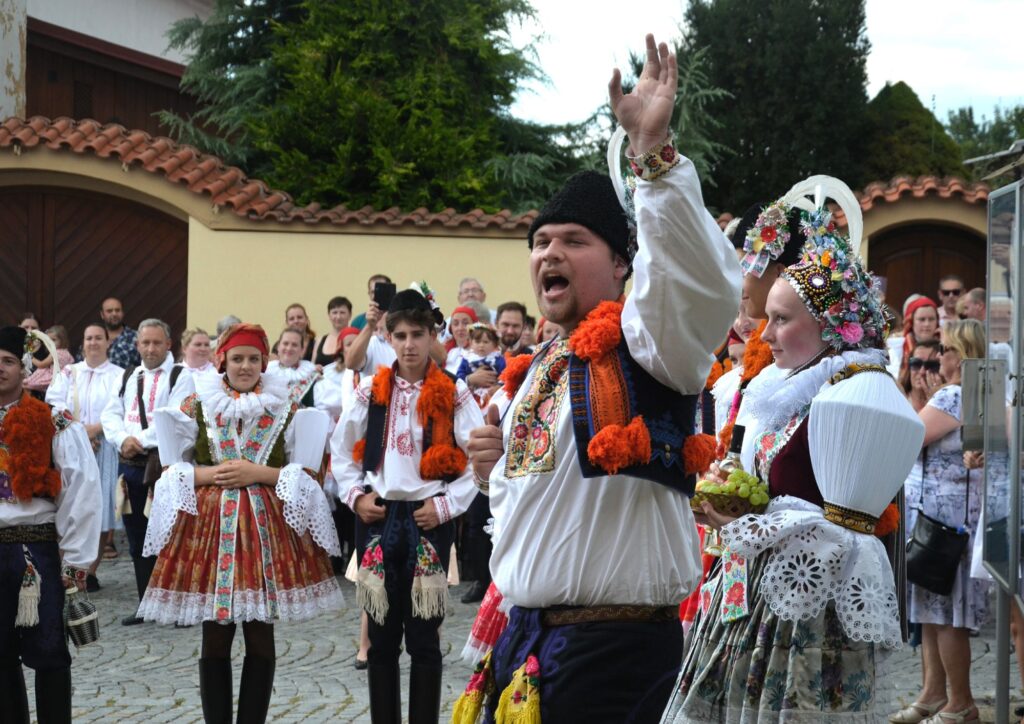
x,y
421,635
593,673
44,646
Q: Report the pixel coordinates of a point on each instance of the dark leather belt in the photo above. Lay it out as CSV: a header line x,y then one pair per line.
x,y
139,461
42,533
599,614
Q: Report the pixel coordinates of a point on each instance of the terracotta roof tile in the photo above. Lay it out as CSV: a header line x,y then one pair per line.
x,y
882,192
226,186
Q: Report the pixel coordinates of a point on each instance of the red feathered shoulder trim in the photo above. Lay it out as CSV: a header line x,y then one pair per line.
x,y
380,390
515,373
756,355
28,434
599,333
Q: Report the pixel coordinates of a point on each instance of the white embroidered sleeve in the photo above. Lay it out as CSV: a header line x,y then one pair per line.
x,y
686,282
306,508
351,428
113,419
174,491
462,490
79,502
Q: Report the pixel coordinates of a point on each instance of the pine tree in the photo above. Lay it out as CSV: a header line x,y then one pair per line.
x,y
796,70
905,139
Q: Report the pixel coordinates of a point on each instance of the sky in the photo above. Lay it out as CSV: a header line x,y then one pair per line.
x,y
964,52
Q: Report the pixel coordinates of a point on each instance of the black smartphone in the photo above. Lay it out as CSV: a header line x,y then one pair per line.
x,y
383,294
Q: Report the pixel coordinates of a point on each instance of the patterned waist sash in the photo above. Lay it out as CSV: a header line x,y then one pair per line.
x,y
42,533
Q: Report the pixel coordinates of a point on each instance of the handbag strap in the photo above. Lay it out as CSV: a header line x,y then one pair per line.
x,y
967,498
139,397
924,469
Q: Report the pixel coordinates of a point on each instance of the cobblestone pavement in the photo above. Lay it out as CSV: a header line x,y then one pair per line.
x,y
148,673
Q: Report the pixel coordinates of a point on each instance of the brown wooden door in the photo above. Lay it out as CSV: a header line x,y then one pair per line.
x,y
914,258
65,250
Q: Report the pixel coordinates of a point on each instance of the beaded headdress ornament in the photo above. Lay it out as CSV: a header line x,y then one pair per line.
x,y
766,239
830,278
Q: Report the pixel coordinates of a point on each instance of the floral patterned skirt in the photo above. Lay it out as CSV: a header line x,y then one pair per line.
x,y
763,669
238,560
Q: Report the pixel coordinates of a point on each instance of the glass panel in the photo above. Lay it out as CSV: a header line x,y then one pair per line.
x,y
1001,321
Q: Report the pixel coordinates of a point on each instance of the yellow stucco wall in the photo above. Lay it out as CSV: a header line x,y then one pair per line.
x,y
255,274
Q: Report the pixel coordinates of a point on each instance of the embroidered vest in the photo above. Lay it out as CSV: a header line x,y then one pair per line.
x,y
203,456
441,458
26,450
668,415
624,421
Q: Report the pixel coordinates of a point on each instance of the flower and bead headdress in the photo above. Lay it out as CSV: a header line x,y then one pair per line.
x,y
423,288
830,278
767,238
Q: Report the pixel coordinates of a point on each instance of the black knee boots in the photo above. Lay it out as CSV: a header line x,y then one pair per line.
x,y
255,690
53,696
424,693
14,709
385,693
215,690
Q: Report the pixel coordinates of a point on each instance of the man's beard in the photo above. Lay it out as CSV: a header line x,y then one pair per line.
x,y
510,341
111,327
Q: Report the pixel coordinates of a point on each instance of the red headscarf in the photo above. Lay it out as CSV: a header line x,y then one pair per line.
x,y
346,332
468,311
242,335
908,324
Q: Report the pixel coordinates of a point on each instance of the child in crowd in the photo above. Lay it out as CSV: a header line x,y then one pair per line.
x,y
483,353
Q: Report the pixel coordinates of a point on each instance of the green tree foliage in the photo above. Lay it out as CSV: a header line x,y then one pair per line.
x,y
905,139
796,72
230,74
393,103
981,138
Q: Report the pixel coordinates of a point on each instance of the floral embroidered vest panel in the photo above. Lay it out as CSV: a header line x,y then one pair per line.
x,y
618,381
203,456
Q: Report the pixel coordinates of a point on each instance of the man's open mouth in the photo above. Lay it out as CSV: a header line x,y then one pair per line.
x,y
551,282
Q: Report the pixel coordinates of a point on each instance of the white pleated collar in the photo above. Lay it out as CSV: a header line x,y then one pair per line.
x,y
219,399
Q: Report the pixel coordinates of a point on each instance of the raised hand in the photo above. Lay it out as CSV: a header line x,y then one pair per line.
x,y
645,113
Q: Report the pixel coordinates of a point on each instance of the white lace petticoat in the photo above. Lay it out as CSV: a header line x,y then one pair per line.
x,y
813,561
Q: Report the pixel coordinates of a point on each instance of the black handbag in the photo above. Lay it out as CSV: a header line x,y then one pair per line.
x,y
935,550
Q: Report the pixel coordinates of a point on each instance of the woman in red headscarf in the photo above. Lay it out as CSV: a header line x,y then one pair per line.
x,y
230,526
920,324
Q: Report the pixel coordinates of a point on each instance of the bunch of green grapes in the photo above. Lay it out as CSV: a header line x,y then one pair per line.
x,y
741,484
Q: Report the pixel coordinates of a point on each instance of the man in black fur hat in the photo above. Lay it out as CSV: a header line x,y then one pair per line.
x,y
592,463
49,505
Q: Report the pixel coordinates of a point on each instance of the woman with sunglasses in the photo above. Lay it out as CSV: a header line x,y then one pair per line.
x,y
924,360
945,492
920,324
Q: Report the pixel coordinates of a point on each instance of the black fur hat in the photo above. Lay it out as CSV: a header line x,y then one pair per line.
x,y
588,199
12,339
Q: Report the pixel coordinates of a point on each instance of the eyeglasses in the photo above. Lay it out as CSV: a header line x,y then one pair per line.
x,y
943,348
951,292
930,365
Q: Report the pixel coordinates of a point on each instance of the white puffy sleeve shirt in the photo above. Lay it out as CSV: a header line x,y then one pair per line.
x,y
76,510
562,539
399,475
84,391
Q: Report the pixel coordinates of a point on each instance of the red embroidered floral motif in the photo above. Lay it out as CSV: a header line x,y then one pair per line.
x,y
734,596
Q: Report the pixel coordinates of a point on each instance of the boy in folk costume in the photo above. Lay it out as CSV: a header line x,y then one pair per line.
x,y
398,456
49,503
591,468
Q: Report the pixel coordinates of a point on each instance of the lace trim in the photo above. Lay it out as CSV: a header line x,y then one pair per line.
x,y
773,400
188,609
306,507
813,561
174,491
214,394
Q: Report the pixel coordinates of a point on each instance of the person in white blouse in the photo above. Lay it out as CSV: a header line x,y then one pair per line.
x,y
196,351
398,457
49,535
84,389
594,541
128,425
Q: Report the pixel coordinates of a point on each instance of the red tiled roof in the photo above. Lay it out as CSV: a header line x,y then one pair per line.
x,y
227,186
881,192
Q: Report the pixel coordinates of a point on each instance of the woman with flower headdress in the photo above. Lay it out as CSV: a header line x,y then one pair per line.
x,y
242,530
795,622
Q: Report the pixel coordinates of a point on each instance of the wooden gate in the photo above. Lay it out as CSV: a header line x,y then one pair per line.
x,y
914,258
64,251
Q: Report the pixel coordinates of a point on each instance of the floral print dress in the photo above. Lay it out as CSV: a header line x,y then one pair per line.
x,y
760,668
946,493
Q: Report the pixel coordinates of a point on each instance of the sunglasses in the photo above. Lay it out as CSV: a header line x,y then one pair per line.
x,y
930,365
951,292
